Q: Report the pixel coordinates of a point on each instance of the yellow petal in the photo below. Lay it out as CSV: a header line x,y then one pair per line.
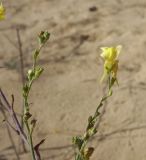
x,y
119,48
2,12
110,53
104,54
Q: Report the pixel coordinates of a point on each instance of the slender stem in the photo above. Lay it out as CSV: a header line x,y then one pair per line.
x,y
91,127
29,137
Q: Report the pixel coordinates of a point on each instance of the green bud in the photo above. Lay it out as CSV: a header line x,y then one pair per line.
x,y
26,116
43,37
30,74
38,72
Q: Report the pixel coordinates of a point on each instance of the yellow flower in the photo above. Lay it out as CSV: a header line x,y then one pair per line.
x,y
110,55
2,12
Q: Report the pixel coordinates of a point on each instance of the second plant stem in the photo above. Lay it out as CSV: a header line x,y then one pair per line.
x,y
26,117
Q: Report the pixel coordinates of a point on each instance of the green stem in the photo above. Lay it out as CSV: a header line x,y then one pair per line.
x,y
92,123
29,136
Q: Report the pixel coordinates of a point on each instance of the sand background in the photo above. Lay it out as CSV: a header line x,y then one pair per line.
x,y
69,91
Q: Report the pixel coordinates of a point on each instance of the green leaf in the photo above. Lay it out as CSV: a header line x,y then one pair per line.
x,y
78,141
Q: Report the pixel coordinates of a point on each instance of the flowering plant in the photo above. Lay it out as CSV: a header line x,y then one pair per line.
x,y
110,55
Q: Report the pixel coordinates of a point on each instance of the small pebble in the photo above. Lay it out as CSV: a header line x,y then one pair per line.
x,y
93,9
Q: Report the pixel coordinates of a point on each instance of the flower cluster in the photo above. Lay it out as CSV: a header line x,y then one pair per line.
x,y
110,57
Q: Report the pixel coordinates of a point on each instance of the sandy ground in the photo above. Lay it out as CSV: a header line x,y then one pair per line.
x,y
68,91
